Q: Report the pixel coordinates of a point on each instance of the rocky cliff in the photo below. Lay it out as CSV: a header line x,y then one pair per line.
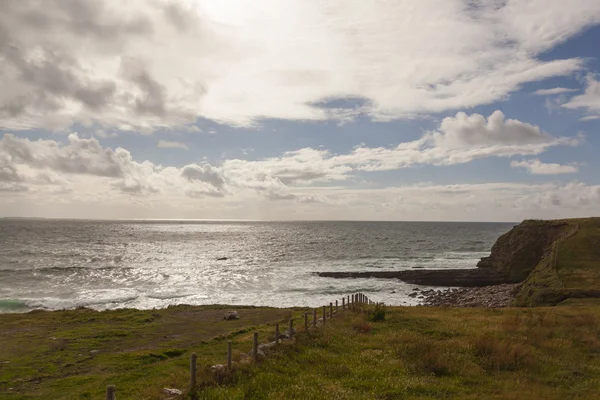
x,y
514,255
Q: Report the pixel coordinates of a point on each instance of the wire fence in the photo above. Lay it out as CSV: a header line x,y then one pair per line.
x,y
353,302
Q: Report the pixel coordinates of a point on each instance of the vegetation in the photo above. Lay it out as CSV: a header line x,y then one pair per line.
x,y
414,353
75,354
433,353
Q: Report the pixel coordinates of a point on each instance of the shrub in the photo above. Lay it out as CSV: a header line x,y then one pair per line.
x,y
377,314
361,326
501,355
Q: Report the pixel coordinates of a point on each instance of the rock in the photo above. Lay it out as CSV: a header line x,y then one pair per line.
x,y
260,354
94,351
287,333
176,392
414,294
231,315
266,346
218,368
393,291
222,258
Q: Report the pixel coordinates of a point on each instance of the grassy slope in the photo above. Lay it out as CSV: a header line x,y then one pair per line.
x,y
75,354
418,352
433,353
571,271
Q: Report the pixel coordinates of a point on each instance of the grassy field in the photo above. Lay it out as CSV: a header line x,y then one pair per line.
x,y
75,354
416,353
432,353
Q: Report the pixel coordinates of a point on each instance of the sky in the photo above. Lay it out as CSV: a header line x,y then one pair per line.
x,y
443,110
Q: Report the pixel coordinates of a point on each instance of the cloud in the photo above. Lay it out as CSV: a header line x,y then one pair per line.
x,y
84,167
205,173
537,167
165,144
590,100
142,65
553,91
78,156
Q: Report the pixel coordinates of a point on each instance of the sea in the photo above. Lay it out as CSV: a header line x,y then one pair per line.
x,y
64,264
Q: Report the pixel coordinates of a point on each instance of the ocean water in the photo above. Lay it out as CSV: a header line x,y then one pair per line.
x,y
57,264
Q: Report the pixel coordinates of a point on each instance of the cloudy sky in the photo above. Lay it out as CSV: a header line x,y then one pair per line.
x,y
289,109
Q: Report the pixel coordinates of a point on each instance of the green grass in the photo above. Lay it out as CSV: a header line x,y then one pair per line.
x,y
432,353
413,353
75,354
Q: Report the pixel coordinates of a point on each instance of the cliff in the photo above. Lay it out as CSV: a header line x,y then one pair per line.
x,y
516,253
554,260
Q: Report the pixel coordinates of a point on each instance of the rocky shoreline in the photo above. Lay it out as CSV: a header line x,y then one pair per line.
x,y
495,296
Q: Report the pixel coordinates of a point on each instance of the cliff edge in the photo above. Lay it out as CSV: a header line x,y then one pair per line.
x,y
555,260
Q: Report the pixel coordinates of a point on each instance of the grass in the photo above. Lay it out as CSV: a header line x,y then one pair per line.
x,y
432,353
75,354
408,353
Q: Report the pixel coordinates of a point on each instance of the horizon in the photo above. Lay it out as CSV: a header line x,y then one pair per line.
x,y
269,110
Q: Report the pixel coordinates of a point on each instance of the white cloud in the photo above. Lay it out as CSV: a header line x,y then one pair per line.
x,y
165,144
537,167
83,170
590,100
553,91
141,65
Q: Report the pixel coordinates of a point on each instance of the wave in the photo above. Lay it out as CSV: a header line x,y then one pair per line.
x,y
13,305
63,269
165,296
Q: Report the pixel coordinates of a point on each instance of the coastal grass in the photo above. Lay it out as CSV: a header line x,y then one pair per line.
x,y
74,354
404,353
434,353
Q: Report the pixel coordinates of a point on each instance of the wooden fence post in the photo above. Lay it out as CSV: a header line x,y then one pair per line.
x,y
255,347
324,314
229,355
336,306
110,392
193,360
306,322
315,317
330,310
343,303
276,333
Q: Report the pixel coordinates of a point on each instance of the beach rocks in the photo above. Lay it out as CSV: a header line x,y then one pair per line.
x,y
488,296
229,315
